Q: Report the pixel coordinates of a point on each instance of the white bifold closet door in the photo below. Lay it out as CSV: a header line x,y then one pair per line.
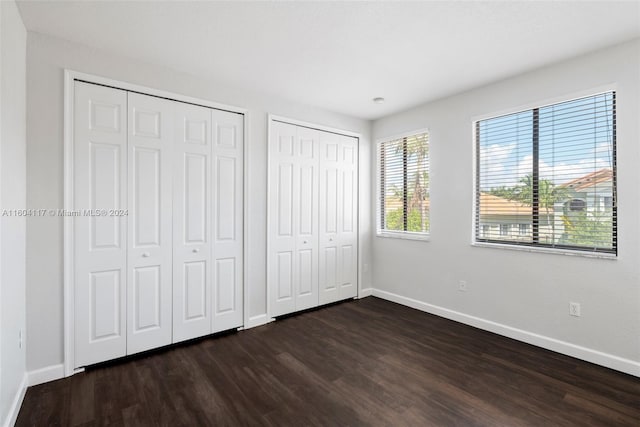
x,y
293,218
312,248
338,221
227,227
208,237
171,267
100,242
149,288
191,223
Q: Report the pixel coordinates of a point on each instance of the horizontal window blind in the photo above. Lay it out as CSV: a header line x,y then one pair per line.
x,y
547,176
404,184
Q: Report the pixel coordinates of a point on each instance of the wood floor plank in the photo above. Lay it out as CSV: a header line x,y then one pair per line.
x,y
360,363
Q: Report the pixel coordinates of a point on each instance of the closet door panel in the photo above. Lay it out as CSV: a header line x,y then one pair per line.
x,y
227,184
100,159
306,258
338,217
330,215
306,151
348,280
146,197
193,286
349,218
329,273
282,242
105,318
149,296
192,194
283,274
282,209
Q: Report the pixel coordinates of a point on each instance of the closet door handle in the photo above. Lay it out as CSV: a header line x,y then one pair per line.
x,y
146,254
331,239
195,250
305,242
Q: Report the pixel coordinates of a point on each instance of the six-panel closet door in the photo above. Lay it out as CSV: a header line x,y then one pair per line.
x,y
293,213
150,187
227,227
159,258
192,296
100,242
338,217
312,250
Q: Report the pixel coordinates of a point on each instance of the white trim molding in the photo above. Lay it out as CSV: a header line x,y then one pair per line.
x,y
46,374
14,409
628,366
31,378
246,319
365,292
276,118
68,250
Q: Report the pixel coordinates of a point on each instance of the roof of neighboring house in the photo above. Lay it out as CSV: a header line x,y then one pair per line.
x,y
590,180
494,205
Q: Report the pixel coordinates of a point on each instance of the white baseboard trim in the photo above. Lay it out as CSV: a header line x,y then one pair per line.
x,y
46,374
259,320
594,356
12,416
365,292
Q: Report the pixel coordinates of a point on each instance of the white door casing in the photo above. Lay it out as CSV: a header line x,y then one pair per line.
x,y
192,270
100,232
227,219
149,295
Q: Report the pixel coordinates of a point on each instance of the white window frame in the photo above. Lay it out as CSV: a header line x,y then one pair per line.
x,y
509,110
406,235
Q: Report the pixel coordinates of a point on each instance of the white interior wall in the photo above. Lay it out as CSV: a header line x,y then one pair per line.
x,y
47,58
523,290
13,38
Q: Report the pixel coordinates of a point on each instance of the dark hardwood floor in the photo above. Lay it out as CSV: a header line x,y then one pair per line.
x,y
367,362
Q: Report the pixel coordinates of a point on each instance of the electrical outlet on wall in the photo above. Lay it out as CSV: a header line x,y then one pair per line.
x,y
574,309
462,286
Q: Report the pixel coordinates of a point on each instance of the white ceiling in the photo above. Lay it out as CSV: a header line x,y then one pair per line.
x,y
339,55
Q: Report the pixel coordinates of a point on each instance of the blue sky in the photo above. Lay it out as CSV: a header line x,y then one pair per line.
x,y
575,139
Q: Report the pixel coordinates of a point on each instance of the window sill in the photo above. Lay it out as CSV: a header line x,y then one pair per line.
x,y
545,250
404,235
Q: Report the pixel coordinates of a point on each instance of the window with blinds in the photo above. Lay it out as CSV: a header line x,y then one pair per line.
x,y
404,185
547,176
